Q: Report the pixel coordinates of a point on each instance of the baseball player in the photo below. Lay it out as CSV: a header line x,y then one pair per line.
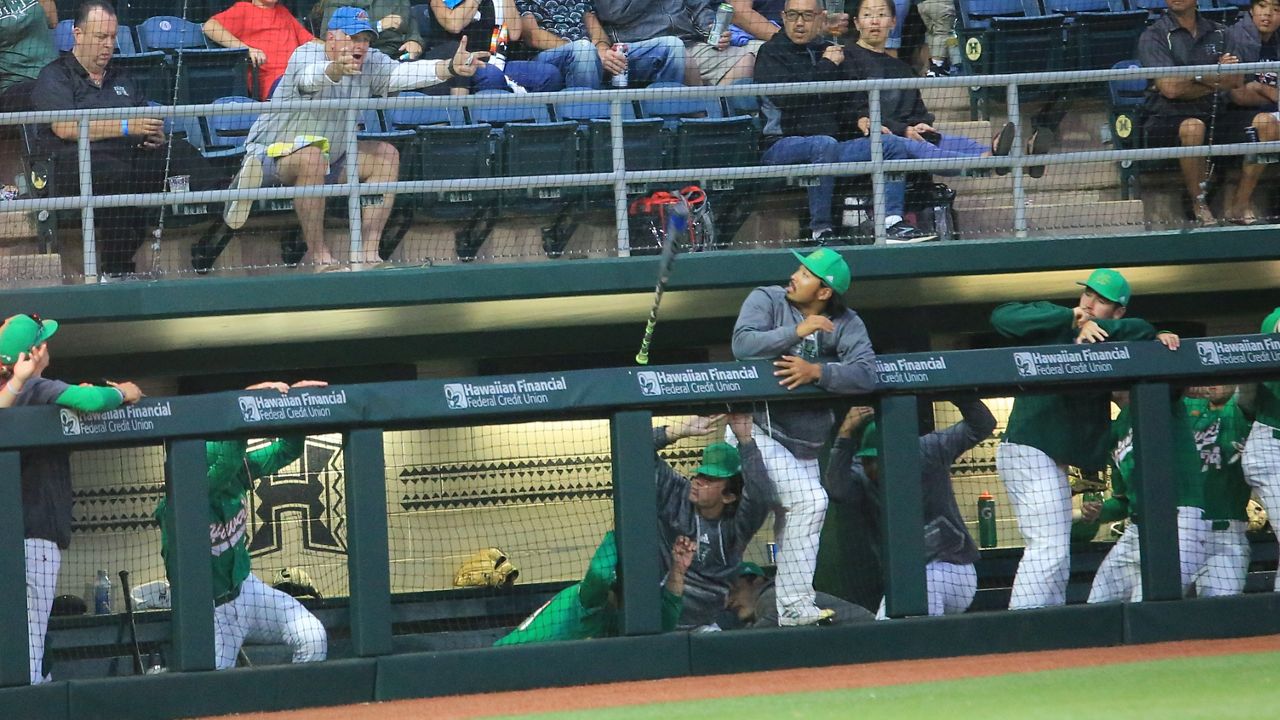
x,y
1220,429
1261,460
1047,433
46,472
245,608
812,338
721,507
753,602
950,551
1119,577
589,609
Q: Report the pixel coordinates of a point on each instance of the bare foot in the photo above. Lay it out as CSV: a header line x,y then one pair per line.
x,y
1242,216
1204,216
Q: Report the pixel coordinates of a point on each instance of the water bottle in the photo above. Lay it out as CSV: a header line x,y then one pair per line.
x,y
986,520
102,594
724,15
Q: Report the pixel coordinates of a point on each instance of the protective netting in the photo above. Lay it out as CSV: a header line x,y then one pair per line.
x,y
529,126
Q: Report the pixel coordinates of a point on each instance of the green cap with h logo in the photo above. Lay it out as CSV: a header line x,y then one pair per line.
x,y
830,268
1110,284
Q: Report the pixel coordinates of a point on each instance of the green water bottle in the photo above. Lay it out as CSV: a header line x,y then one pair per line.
x,y
986,520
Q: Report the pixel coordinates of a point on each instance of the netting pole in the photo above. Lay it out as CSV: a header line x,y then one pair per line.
x,y
635,505
1153,430
86,212
1019,178
368,558
352,161
13,597
619,179
185,471
903,503
877,162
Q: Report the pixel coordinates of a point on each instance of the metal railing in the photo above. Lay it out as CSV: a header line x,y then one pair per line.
x,y
620,177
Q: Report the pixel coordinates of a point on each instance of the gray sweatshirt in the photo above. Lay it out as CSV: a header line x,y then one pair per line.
x,y
766,330
946,538
720,541
636,20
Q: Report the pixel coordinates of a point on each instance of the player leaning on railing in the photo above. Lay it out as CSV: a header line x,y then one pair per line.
x,y
1261,462
46,472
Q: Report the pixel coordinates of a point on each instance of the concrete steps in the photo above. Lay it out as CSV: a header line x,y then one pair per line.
x,y
1097,218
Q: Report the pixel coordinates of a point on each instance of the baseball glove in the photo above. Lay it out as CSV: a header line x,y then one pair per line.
x,y
296,582
487,568
1082,482
1257,515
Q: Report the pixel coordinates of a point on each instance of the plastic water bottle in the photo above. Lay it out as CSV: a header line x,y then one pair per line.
x,y
102,594
986,520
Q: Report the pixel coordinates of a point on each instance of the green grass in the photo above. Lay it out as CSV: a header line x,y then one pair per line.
x,y
1214,688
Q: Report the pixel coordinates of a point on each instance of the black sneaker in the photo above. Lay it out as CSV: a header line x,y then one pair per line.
x,y
901,233
938,68
829,238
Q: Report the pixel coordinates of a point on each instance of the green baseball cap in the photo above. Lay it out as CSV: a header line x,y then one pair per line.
x,y
720,460
749,568
22,333
1269,325
1110,284
830,268
870,441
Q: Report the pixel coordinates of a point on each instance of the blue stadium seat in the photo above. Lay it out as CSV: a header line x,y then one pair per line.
x,y
673,109
499,115
204,75
1125,100
225,134
1008,36
1097,34
410,118
64,39
133,12
1219,11
586,111
1153,8
169,33
151,71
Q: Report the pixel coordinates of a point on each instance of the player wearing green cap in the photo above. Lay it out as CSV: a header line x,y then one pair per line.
x,y
812,338
1220,429
1047,433
1261,460
1119,577
589,609
721,507
46,472
753,602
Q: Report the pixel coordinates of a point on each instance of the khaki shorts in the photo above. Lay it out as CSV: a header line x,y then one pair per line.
x,y
714,64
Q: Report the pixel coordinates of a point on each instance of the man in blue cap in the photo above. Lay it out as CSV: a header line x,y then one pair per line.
x,y
813,339
308,147
1048,433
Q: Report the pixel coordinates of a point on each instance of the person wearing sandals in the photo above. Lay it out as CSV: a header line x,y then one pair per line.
x,y
1254,35
904,112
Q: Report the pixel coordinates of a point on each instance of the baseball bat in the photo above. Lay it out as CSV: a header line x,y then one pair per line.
x,y
678,225
138,669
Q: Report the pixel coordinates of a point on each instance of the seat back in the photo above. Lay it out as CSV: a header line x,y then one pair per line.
x,y
229,130
643,145
409,118
676,108
499,115
207,74
151,72
977,14
169,33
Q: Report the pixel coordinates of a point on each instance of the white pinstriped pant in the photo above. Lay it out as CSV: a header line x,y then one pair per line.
x,y
43,559
951,588
1261,465
1041,497
266,615
1227,564
1119,577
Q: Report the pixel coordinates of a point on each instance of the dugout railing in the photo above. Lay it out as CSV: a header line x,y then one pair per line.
x,y
621,181
628,397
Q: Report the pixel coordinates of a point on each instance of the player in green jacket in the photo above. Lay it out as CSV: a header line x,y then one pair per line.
x,y
245,608
1220,429
1261,460
1047,433
1119,577
589,609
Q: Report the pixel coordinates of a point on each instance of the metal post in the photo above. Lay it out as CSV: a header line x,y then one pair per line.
x,y
185,474
877,174
635,505
87,236
1019,189
353,187
1153,445
14,652
619,178
903,503
368,559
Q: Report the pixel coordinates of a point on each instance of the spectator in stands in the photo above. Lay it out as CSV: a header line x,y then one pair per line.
x,y
129,156
308,147
949,549
270,32
752,603
721,507
903,111
46,472
399,36
1220,429
477,20
707,61
245,608
813,339
820,128
26,46
1254,37
1182,111
1048,433
590,608
1119,577
567,34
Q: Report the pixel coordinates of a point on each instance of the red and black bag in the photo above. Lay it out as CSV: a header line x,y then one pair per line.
x,y
649,217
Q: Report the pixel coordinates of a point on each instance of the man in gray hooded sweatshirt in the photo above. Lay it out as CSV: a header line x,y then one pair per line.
x,y
813,339
721,507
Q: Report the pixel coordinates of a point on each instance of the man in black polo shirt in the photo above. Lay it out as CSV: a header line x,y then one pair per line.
x,y
1190,111
128,156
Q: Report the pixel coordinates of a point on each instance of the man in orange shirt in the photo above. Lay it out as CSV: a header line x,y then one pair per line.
x,y
268,29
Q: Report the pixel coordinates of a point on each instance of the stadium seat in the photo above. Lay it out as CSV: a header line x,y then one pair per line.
x,y
549,148
204,75
135,11
1098,35
1007,36
716,143
499,115
64,40
584,112
673,109
411,118
644,148
169,33
1219,11
151,71
1125,100
456,152
1153,8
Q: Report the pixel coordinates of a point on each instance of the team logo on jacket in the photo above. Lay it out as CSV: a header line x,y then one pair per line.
x,y
309,495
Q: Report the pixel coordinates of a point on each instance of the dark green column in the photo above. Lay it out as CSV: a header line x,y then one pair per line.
x,y
635,518
186,483
368,558
1153,444
14,653
903,503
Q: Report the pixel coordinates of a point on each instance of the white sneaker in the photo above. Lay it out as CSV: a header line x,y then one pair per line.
x,y
236,213
792,618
